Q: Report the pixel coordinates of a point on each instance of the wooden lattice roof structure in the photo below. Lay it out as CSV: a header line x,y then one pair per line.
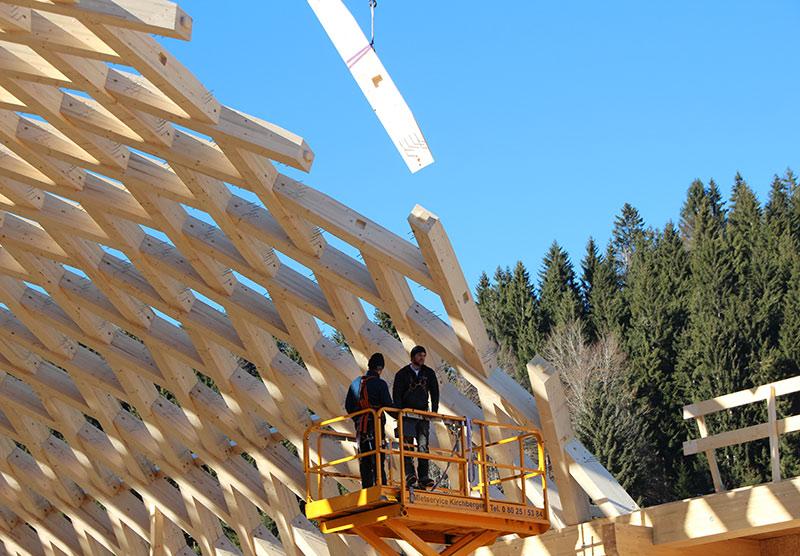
x,y
144,399
153,262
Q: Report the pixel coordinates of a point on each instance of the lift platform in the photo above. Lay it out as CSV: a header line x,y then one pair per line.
x,y
481,492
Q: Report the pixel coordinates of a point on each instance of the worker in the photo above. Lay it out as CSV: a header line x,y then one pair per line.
x,y
414,384
369,391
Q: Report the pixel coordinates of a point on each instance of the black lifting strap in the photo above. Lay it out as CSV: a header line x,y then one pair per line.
x,y
456,433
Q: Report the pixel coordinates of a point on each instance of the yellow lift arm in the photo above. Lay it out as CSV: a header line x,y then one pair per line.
x,y
468,512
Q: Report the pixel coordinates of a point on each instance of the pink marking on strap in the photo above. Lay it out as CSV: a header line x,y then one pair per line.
x,y
354,59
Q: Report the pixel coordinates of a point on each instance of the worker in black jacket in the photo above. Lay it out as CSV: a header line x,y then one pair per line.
x,y
368,391
413,385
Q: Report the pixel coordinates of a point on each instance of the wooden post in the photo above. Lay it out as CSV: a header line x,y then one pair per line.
x,y
712,459
774,441
557,430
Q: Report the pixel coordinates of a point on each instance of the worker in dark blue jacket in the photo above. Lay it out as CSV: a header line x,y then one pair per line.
x,y
414,384
369,391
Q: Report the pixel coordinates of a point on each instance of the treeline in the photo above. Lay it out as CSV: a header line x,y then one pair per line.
x,y
660,318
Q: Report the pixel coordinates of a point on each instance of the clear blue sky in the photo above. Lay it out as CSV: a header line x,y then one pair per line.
x,y
544,118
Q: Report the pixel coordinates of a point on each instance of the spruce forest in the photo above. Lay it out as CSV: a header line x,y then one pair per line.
x,y
663,317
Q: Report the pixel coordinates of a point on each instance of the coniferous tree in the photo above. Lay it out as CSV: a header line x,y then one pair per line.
x,y
706,308
628,230
492,308
757,301
695,197
607,310
520,299
745,238
794,205
339,339
773,265
789,349
486,298
709,357
383,320
716,357
779,232
612,427
789,335
716,204
777,212
559,298
657,297
794,222
790,329
674,270
509,309
589,266
484,291
761,251
291,352
698,197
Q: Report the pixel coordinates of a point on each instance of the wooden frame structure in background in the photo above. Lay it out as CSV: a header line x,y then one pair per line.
x,y
149,245
772,429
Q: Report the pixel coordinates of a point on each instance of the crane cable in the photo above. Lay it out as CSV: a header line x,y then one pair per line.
x,y
372,5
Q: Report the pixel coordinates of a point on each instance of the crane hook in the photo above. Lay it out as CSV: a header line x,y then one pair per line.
x,y
372,5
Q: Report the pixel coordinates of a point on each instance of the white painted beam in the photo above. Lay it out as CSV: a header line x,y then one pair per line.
x,y
374,81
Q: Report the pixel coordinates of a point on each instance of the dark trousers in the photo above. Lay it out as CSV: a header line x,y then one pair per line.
x,y
419,430
366,464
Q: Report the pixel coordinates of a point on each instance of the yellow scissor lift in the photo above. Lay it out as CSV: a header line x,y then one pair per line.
x,y
469,512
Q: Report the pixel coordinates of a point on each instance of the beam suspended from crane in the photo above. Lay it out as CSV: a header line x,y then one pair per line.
x,y
367,69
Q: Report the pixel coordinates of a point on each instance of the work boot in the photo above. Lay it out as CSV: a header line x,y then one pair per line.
x,y
427,482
